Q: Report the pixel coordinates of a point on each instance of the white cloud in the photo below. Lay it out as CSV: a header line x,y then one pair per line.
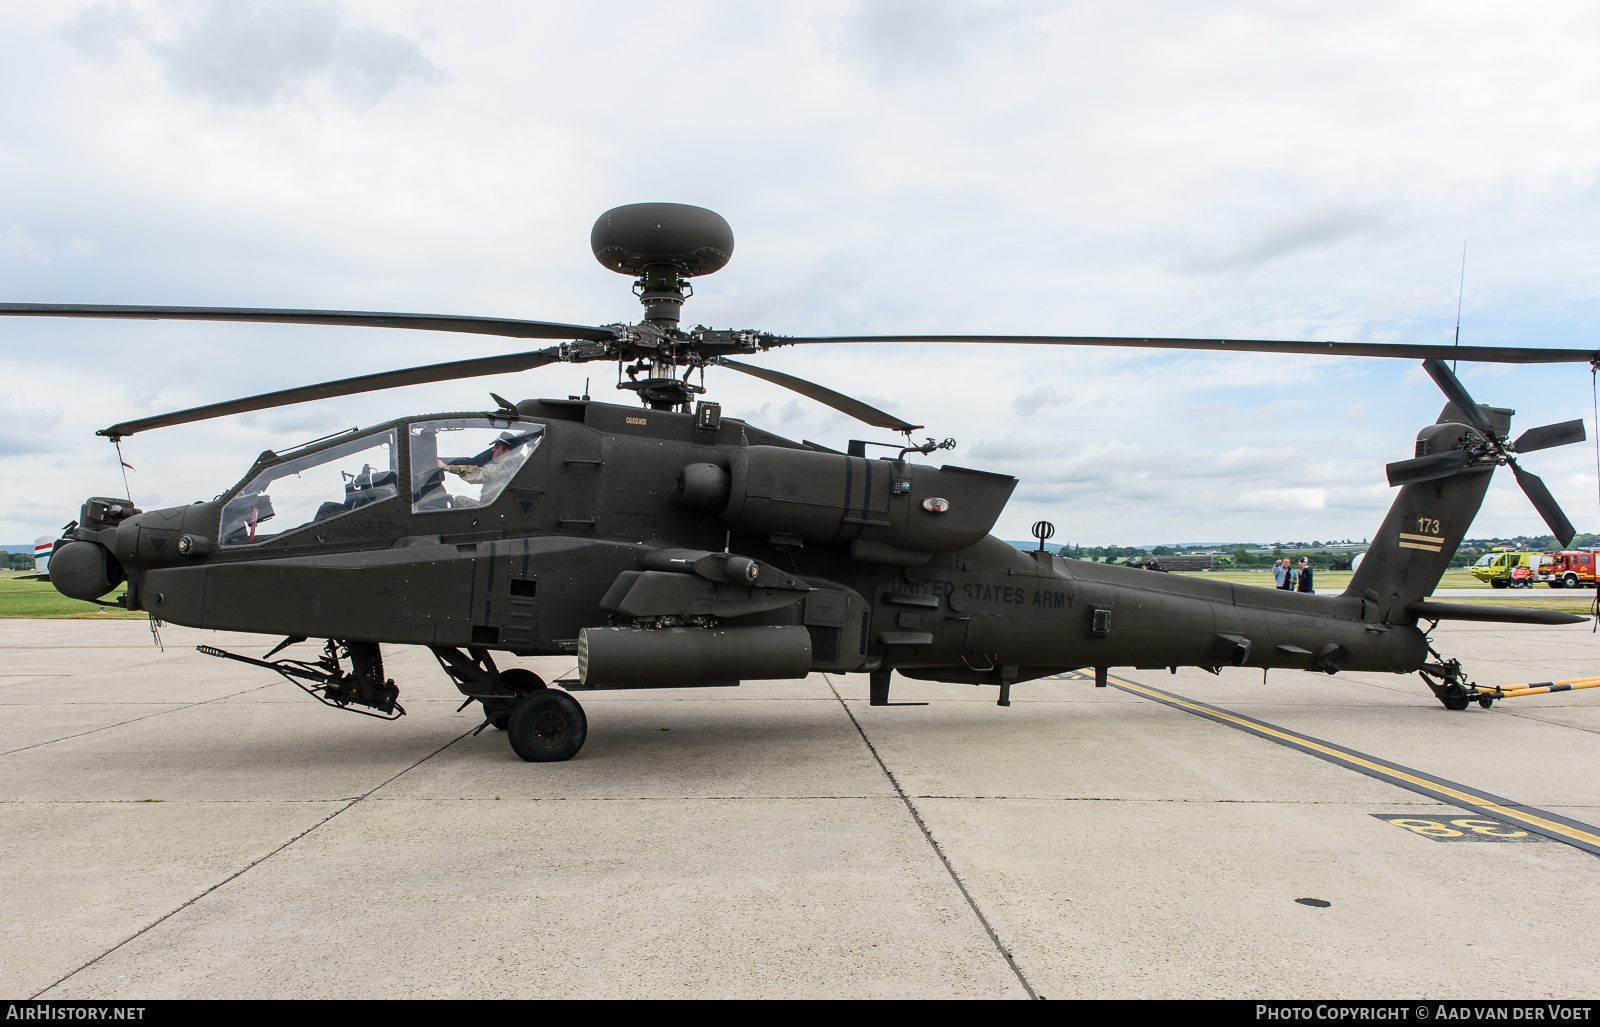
x,y
254,52
1251,170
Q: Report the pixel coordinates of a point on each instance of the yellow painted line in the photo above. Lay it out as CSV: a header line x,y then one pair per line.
x,y
1419,545
1377,770
1423,538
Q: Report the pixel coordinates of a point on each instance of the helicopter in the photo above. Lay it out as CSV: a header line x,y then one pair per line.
x,y
664,544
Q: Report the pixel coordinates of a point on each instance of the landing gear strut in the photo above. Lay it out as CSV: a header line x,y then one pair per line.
x,y
544,725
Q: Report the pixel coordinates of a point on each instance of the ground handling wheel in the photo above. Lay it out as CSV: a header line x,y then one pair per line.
x,y
1486,701
547,726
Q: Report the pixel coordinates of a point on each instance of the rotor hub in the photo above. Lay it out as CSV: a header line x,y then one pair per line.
x,y
663,393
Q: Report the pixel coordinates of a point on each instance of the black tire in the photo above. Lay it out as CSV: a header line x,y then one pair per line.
x,y
1496,583
1557,583
1569,581
1455,698
1486,701
547,726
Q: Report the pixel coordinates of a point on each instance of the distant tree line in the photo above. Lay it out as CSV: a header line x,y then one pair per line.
x,y
1243,559
17,561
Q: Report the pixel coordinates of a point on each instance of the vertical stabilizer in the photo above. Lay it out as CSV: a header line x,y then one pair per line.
x,y
1427,522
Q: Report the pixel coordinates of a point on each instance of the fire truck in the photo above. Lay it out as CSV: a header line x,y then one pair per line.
x,y
1504,568
1571,569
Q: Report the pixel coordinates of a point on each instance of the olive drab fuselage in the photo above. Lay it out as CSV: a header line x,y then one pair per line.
x,y
622,519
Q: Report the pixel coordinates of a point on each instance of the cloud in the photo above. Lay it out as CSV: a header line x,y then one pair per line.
x,y
1320,226
29,429
244,53
895,40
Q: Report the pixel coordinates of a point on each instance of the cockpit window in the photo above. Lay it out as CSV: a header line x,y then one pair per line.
x,y
310,488
466,462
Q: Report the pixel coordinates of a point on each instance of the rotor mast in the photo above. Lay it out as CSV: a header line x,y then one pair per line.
x,y
664,244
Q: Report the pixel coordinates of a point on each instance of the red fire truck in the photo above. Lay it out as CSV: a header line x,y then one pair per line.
x,y
1572,569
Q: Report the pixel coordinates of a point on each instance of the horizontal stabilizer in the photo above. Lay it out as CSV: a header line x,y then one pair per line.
x,y
1497,614
1427,468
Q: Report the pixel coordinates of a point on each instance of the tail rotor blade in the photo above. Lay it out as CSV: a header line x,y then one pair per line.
x,y
1457,394
1549,436
1427,468
1545,503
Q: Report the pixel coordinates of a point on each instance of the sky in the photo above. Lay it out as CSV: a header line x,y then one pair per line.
x,y
1245,170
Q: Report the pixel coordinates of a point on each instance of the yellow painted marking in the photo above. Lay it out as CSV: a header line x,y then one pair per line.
x,y
1381,771
1419,545
1422,538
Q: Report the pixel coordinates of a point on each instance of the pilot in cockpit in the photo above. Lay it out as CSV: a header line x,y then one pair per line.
x,y
493,472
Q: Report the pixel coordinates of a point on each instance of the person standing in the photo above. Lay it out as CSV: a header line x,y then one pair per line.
x,y
1303,584
1280,571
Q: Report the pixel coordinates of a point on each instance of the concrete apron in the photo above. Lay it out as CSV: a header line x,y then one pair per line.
x,y
185,826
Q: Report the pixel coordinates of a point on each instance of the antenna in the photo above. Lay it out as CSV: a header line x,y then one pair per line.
x,y
1461,290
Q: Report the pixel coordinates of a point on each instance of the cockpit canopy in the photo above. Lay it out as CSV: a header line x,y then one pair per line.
x,y
463,462
456,463
313,487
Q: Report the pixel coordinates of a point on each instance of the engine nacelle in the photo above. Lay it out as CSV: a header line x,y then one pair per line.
x,y
885,506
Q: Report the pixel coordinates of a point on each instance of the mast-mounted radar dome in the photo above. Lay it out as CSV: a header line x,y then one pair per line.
x,y
662,243
631,239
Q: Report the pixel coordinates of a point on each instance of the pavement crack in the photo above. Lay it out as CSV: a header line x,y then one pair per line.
x,y
350,804
135,720
911,808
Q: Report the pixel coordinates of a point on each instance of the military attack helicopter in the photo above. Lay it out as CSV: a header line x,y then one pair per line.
x,y
666,545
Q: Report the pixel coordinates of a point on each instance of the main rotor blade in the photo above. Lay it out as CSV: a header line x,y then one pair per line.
x,y
507,327
344,387
1549,436
1457,394
838,400
1427,468
1400,351
1545,503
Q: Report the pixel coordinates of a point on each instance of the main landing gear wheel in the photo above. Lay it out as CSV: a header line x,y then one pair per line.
x,y
521,682
547,726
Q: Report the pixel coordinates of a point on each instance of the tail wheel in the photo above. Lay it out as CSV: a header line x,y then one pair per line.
x,y
547,726
1455,697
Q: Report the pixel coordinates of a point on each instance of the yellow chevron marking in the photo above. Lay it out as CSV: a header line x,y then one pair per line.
x,y
1379,770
